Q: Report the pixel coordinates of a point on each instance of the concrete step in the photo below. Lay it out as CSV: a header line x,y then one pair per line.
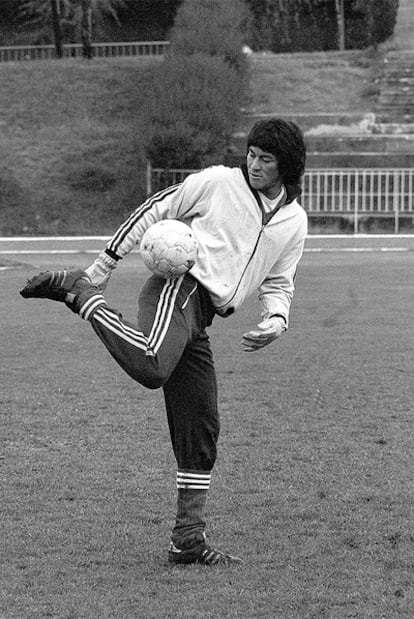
x,y
398,80
397,111
344,160
403,56
402,89
390,128
379,142
395,103
396,98
376,143
312,121
394,120
359,160
401,115
399,94
398,67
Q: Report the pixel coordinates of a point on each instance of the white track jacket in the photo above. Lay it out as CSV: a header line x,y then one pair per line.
x,y
240,252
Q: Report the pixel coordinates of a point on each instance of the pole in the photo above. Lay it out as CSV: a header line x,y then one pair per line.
x,y
396,193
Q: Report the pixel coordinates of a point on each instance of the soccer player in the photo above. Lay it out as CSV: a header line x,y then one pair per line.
x,y
251,231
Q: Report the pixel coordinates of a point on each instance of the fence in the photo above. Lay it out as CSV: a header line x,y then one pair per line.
x,y
75,50
353,193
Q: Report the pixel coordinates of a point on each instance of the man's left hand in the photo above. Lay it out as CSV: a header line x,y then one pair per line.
x,y
268,331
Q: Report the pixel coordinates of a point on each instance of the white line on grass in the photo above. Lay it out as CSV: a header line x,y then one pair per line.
x,y
27,252
360,236
23,239
45,252
323,250
62,251
28,239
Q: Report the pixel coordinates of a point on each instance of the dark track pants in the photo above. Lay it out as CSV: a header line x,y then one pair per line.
x,y
170,348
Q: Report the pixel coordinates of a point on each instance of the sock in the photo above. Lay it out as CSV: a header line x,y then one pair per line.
x,y
191,502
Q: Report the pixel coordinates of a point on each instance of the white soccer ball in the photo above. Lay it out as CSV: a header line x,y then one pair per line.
x,y
169,248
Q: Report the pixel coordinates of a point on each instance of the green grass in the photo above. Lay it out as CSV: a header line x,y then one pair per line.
x,y
73,132
312,485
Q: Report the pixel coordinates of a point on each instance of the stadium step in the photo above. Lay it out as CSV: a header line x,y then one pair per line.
x,y
384,138
395,103
343,160
340,140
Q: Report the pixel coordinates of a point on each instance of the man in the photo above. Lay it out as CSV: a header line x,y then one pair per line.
x,y
251,232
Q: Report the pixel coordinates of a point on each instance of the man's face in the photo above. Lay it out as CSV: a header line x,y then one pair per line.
x,y
263,172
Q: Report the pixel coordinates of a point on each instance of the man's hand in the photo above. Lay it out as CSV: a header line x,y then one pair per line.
x,y
268,330
101,270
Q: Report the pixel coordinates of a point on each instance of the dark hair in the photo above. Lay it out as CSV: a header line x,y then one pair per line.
x,y
285,141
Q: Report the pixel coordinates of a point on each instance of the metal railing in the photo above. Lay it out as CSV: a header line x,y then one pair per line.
x,y
354,193
75,50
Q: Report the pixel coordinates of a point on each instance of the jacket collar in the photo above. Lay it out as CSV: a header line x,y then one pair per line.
x,y
266,216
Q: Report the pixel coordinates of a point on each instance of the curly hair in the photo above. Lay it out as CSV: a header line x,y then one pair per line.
x,y
284,139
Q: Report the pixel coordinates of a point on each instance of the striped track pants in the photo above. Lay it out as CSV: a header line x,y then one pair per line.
x,y
169,348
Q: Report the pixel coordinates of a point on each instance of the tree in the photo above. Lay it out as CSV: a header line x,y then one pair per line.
x,y
55,9
340,18
88,7
299,25
78,13
380,17
86,29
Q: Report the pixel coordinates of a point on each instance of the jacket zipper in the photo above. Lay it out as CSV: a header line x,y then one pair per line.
x,y
265,221
259,236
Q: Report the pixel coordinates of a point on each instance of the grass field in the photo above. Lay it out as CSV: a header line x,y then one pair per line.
x,y
313,485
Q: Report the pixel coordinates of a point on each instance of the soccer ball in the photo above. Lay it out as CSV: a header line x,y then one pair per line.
x,y
169,248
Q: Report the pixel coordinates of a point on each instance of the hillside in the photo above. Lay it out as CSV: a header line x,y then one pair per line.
x,y
72,150
314,83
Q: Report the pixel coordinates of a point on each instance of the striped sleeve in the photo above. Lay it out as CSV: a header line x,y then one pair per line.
x,y
181,201
129,234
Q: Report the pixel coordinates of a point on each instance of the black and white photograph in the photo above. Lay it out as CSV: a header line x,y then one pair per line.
x,y
206,275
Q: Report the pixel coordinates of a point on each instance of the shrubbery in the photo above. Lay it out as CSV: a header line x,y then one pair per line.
x,y
214,28
195,101
194,105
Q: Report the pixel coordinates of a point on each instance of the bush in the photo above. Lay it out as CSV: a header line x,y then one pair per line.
x,y
193,111
212,27
195,101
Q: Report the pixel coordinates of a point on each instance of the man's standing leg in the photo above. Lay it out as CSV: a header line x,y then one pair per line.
x,y
191,403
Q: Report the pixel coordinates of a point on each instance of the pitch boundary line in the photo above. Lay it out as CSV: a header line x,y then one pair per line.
x,y
321,250
28,239
311,237
15,252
